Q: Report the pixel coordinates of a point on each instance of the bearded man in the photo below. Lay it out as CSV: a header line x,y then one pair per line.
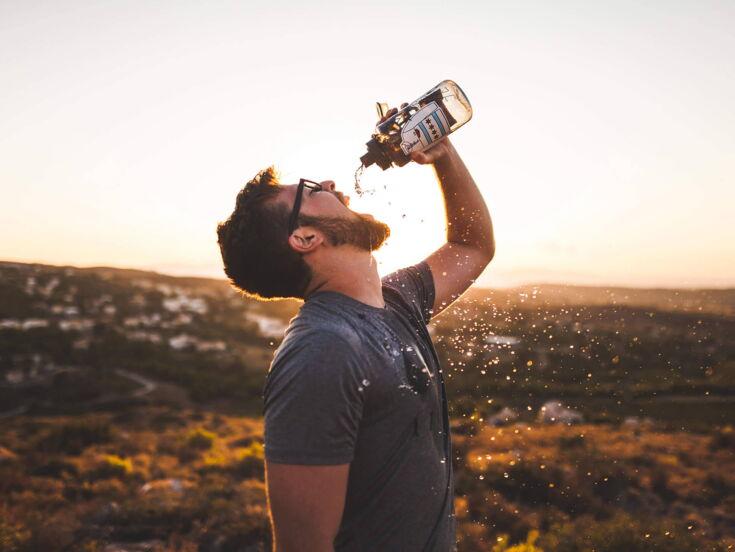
x,y
357,443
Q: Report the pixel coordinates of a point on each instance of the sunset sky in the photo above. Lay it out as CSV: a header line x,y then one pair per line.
x,y
603,137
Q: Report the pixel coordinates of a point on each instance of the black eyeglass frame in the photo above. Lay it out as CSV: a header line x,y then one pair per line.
x,y
303,183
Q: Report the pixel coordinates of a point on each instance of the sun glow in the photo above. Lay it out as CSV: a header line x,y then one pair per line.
x,y
124,143
410,203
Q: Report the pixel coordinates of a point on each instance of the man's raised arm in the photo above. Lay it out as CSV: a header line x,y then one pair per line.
x,y
470,242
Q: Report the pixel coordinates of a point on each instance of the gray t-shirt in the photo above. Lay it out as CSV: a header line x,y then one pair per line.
x,y
357,384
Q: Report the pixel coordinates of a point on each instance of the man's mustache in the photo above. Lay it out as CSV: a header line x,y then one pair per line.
x,y
345,200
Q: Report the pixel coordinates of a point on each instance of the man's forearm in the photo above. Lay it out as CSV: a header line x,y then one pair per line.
x,y
468,219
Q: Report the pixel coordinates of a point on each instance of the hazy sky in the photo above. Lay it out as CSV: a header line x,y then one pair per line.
x,y
603,137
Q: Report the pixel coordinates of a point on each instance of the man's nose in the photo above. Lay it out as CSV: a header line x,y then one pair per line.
x,y
327,185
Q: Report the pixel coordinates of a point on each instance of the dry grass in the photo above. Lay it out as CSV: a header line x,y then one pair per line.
x,y
187,480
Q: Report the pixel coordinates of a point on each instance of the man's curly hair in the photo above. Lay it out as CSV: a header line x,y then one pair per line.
x,y
254,243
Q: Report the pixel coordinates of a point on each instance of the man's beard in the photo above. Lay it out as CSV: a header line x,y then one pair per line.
x,y
364,232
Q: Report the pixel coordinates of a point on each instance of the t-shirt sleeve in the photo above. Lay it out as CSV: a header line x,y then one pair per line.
x,y
313,401
416,285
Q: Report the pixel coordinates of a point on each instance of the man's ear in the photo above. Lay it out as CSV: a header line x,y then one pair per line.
x,y
305,239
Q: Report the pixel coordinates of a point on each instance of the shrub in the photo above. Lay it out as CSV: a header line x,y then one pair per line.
x,y
200,439
723,439
661,486
139,520
526,483
247,532
12,478
621,532
49,532
250,461
73,437
471,536
572,442
716,489
166,419
612,483
56,468
13,536
112,465
499,515
528,546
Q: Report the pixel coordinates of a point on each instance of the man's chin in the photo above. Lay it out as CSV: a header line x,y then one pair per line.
x,y
363,231
364,215
379,233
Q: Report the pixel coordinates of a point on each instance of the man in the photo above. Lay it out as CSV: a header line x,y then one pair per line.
x,y
357,445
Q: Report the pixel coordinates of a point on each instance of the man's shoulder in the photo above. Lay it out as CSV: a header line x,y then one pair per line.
x,y
407,278
323,320
411,288
313,347
316,328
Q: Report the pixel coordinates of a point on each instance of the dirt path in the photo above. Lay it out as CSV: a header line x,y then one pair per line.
x,y
147,385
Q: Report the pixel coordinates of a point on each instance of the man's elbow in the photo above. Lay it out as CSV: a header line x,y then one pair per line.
x,y
479,253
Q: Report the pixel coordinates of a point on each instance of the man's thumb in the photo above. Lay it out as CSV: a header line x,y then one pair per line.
x,y
419,157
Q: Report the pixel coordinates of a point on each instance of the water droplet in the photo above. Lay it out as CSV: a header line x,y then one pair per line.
x,y
358,175
366,382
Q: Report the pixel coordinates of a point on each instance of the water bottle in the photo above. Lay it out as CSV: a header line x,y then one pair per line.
x,y
436,114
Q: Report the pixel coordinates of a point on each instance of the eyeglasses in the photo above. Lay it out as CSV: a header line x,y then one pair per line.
x,y
303,183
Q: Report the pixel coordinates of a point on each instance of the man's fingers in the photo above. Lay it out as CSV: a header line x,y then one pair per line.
x,y
388,114
392,111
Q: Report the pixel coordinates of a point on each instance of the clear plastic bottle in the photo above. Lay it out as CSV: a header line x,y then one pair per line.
x,y
439,112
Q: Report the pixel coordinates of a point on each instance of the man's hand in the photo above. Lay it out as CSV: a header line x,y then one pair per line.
x,y
470,241
431,154
434,152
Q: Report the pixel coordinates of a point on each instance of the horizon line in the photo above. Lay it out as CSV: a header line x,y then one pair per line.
x,y
523,284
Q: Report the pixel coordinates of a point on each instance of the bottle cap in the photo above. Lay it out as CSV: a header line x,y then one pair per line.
x,y
375,154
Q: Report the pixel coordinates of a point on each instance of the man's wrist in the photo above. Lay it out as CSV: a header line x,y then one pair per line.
x,y
448,154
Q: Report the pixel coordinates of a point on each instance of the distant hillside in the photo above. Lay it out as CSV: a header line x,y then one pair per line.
x,y
66,332
709,301
88,337
214,287
713,301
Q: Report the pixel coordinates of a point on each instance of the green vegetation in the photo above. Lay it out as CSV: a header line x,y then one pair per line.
x,y
624,532
131,484
200,439
610,353
125,395
74,436
528,546
522,488
112,465
82,325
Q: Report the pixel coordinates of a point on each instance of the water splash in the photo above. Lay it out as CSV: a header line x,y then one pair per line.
x,y
358,176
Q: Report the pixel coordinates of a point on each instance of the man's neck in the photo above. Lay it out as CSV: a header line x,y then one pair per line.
x,y
355,276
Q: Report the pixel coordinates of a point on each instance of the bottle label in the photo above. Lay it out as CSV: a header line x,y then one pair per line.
x,y
424,128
